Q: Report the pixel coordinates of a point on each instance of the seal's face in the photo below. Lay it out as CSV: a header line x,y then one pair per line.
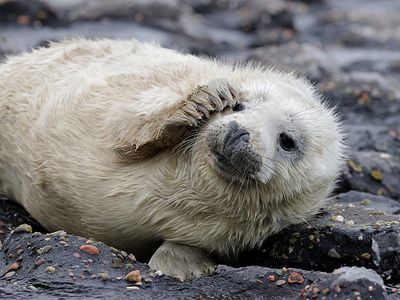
x,y
280,134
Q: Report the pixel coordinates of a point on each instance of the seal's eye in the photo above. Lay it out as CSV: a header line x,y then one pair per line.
x,y
238,107
287,143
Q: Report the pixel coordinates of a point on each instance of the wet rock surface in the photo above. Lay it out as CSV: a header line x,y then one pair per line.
x,y
350,49
356,229
58,265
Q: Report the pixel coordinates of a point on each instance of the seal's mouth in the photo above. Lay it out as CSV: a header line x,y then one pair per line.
x,y
232,154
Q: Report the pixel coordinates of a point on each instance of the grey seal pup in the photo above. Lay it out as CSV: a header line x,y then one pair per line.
x,y
141,147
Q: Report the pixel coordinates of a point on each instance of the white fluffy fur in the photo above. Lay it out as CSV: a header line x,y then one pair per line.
x,y
66,111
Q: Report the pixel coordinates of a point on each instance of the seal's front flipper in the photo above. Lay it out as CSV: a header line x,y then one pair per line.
x,y
181,261
137,134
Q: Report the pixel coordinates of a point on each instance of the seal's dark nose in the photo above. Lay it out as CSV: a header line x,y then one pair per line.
x,y
236,155
236,139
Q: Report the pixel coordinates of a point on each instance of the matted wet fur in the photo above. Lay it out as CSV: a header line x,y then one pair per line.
x,y
135,145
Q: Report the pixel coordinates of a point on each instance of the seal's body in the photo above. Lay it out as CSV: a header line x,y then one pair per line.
x,y
133,145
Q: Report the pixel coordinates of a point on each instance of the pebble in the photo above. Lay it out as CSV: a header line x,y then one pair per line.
x,y
349,223
337,218
117,263
271,278
130,266
23,228
370,288
33,288
280,282
44,249
133,288
104,276
39,261
337,289
134,276
365,256
325,291
50,269
377,175
132,257
13,267
77,255
333,253
9,274
278,272
90,249
355,166
158,273
365,202
60,233
296,277
315,291
86,272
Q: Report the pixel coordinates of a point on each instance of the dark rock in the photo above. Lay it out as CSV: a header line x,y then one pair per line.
x,y
346,283
328,241
373,138
68,272
12,215
365,98
370,201
372,172
245,15
135,11
307,60
24,12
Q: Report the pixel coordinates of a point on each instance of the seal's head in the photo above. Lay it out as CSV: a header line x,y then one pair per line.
x,y
281,141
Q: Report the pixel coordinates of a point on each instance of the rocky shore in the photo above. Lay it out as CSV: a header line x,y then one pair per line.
x,y
349,49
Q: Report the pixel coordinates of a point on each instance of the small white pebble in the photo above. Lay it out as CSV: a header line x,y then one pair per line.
x,y
360,237
370,288
350,223
337,218
133,288
385,155
158,273
33,288
351,205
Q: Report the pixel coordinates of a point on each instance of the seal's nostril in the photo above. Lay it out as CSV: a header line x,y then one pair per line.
x,y
239,137
235,135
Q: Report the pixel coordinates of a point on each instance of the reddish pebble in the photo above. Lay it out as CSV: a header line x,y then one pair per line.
x,y
89,249
13,267
134,276
296,277
271,278
39,262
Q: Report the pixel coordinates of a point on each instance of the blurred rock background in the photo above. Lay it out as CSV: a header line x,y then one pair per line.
x,y
350,49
